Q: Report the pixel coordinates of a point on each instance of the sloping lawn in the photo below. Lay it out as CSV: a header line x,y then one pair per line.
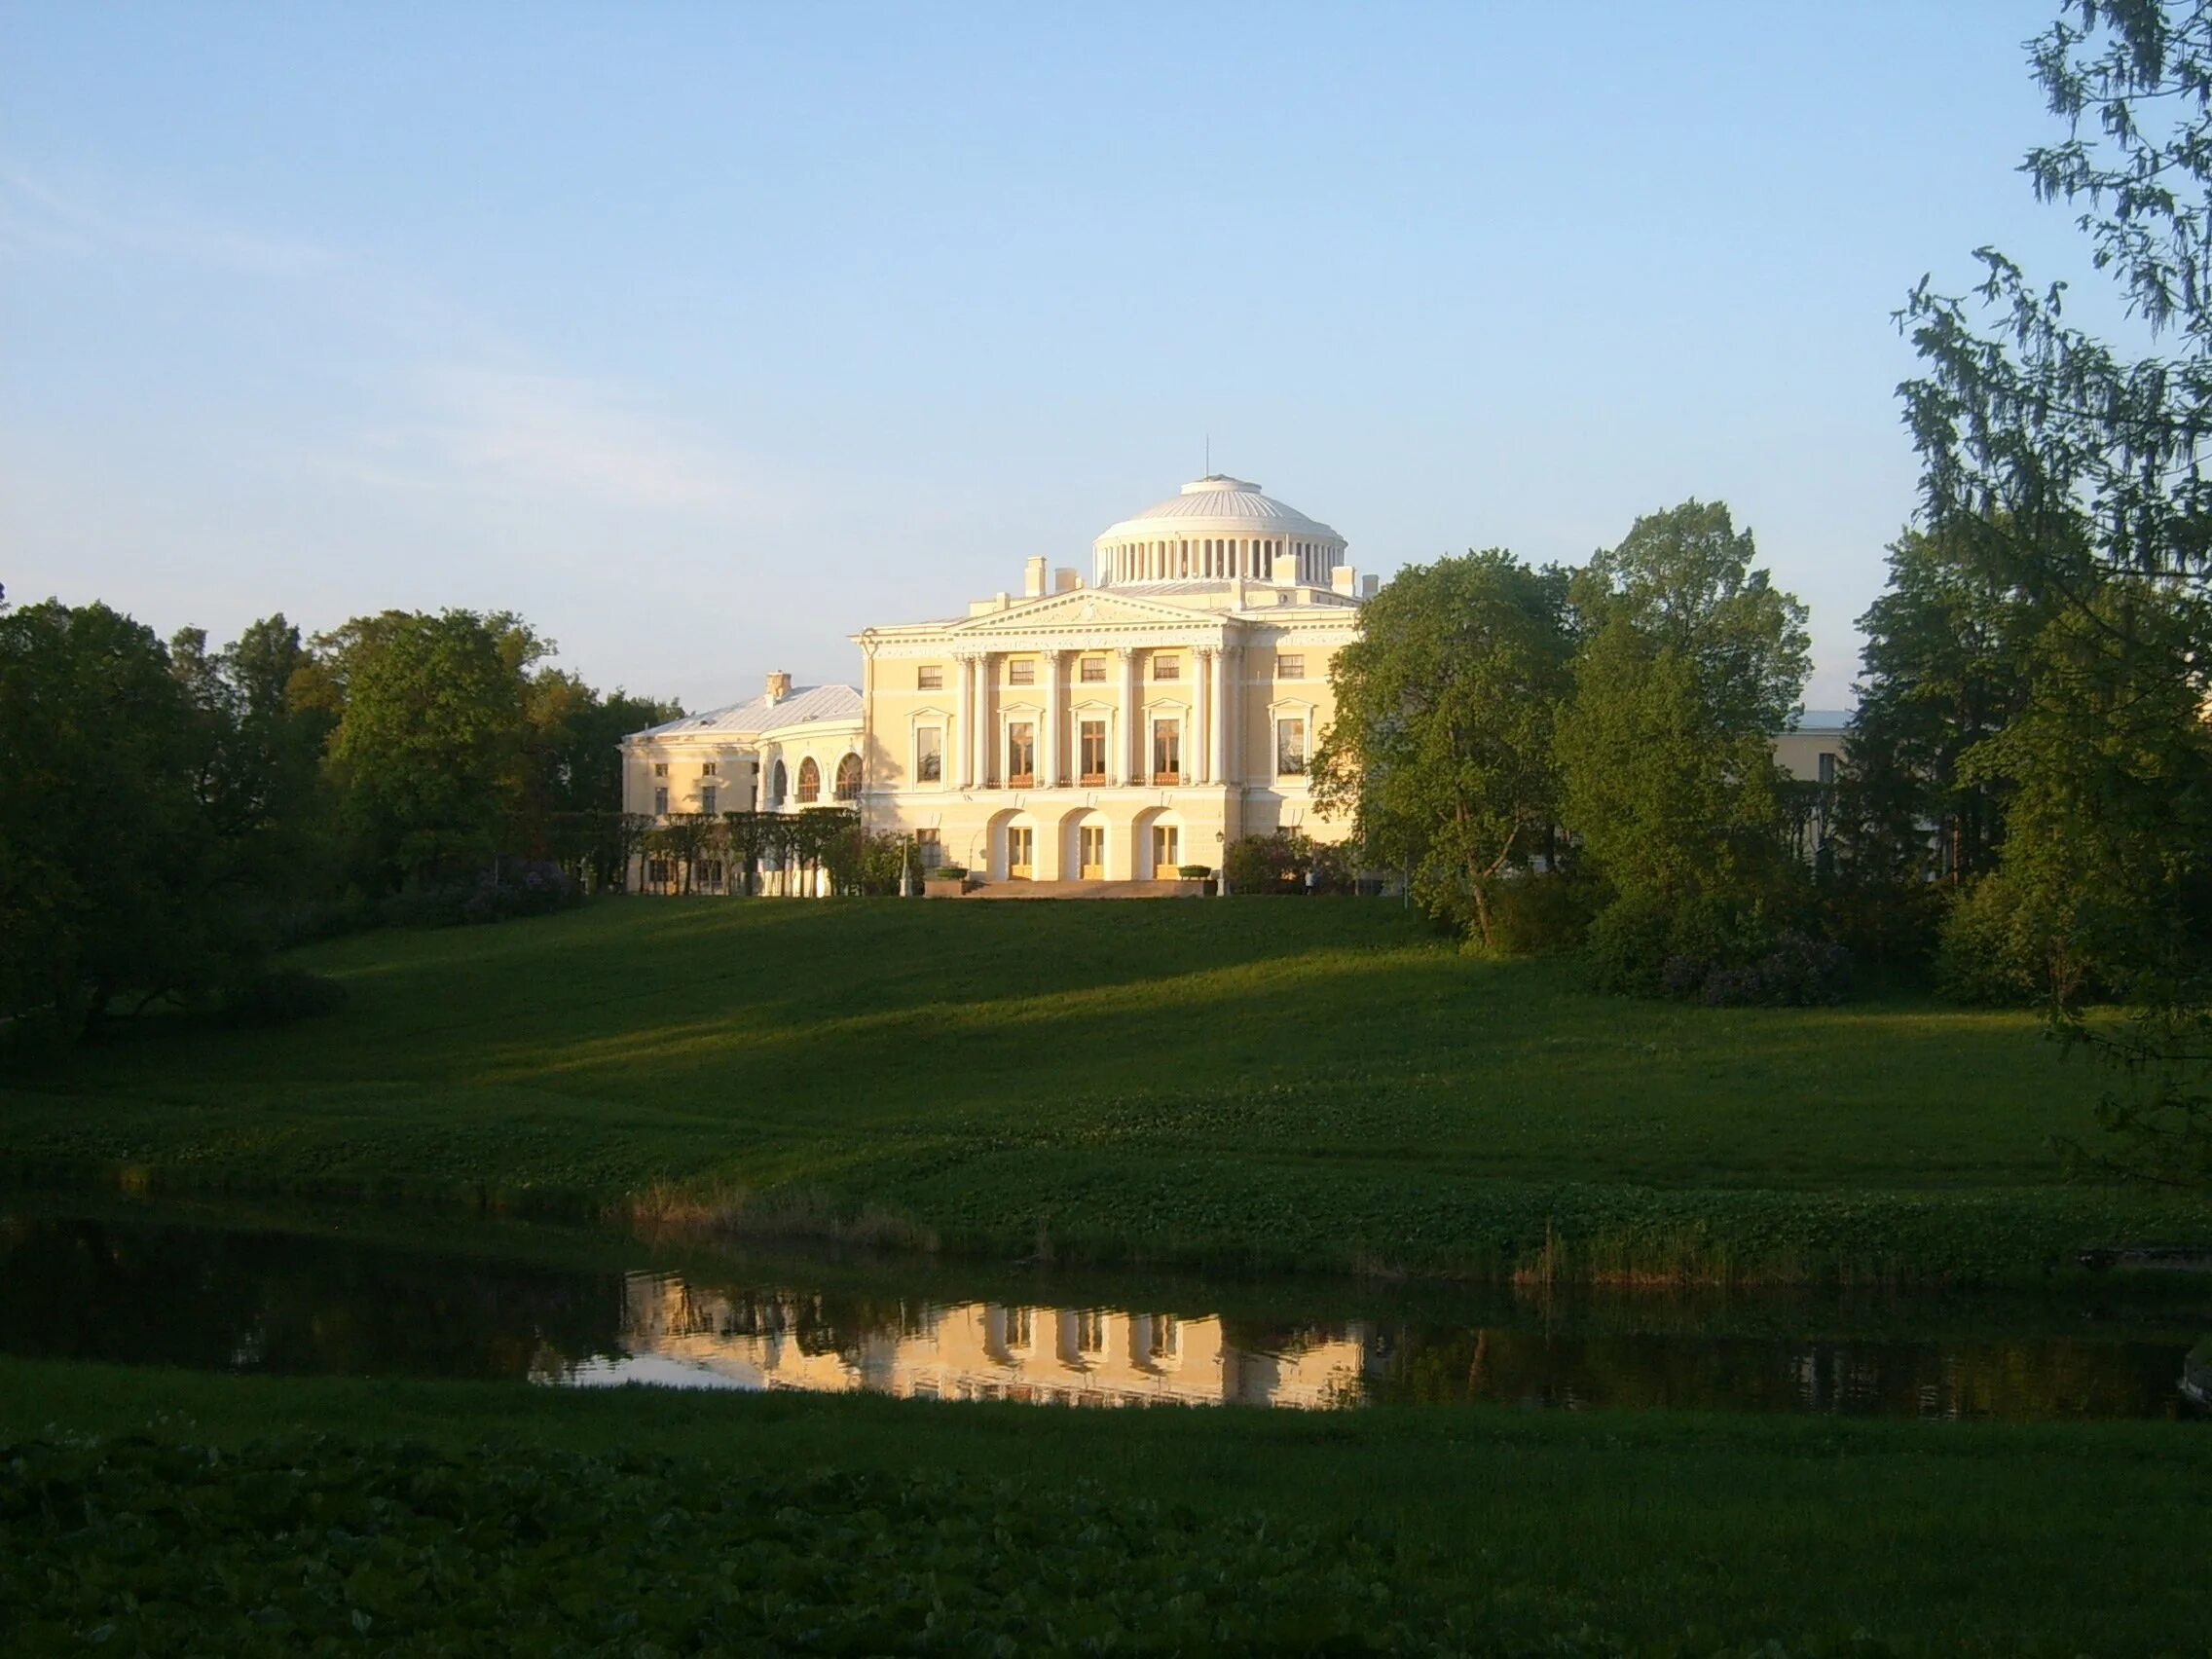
x,y
1276,1079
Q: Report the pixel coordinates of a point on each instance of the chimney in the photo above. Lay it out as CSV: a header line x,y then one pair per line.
x,y
1033,578
1067,580
1343,580
779,685
1286,570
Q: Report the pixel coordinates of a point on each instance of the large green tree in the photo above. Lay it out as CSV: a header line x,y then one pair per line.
x,y
1689,661
1946,667
1440,749
429,752
109,858
2075,466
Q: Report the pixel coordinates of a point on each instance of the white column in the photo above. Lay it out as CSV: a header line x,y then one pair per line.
x,y
1231,706
1127,746
982,741
964,725
1217,717
1048,751
1201,769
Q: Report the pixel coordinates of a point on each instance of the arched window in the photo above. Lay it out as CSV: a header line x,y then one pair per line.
x,y
778,784
809,781
849,778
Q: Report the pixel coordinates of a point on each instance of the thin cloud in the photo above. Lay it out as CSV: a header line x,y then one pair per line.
x,y
546,434
38,218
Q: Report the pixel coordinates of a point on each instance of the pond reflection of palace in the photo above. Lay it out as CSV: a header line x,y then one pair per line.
x,y
157,1288
969,1351
679,1333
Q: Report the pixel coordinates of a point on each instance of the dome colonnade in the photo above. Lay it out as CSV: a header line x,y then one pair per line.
x,y
1217,527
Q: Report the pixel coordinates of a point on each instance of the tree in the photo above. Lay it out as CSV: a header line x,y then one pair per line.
x,y
1689,659
1945,668
107,855
1441,752
429,749
257,756
2076,468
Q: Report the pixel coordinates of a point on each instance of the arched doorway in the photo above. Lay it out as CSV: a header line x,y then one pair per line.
x,y
1083,845
1157,846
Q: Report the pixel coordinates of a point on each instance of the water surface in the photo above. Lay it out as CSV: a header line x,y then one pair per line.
x,y
201,1292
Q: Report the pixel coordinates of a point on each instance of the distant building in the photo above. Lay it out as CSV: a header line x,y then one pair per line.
x,y
1106,727
1813,751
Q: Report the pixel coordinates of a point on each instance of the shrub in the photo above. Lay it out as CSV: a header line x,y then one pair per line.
x,y
1282,862
1194,873
1801,970
1539,914
532,888
312,919
949,872
281,996
1993,947
1626,946
1713,952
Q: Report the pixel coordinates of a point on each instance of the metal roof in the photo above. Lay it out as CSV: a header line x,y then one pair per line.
x,y
762,713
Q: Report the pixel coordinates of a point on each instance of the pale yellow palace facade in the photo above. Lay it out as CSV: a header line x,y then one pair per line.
x,y
1102,726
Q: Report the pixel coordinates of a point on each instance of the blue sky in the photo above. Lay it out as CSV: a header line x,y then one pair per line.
x,y
706,334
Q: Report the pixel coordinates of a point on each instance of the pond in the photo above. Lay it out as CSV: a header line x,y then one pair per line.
x,y
387,1295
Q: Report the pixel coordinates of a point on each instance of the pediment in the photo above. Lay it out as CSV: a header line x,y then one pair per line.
x,y
1084,607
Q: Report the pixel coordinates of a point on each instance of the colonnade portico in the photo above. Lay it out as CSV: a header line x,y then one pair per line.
x,y
979,760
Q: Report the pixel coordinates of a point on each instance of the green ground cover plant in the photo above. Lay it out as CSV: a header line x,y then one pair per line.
x,y
1272,1083
482,1518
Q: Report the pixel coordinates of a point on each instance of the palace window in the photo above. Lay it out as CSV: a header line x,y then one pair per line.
x,y
1021,671
1092,744
1166,752
1290,668
809,781
1165,1342
930,678
848,784
1020,1327
929,754
929,850
707,875
660,872
1022,752
709,768
778,784
660,768
1828,767
660,801
1090,1332
1166,668
1290,748
709,794
1167,851
1093,671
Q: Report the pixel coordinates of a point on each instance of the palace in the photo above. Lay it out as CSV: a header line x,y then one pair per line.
x,y
1106,728
1098,733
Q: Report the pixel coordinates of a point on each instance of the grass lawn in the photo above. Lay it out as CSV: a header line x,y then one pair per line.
x,y
1321,1083
487,1518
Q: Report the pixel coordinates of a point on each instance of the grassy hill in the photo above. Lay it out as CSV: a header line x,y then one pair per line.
x,y
1274,1080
